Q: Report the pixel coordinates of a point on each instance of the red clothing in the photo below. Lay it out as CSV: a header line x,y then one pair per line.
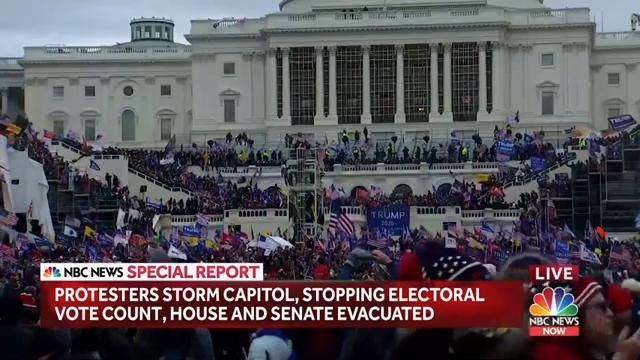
x,y
321,272
621,299
29,302
410,267
555,349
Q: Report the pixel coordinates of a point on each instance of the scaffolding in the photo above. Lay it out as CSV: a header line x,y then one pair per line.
x,y
304,180
620,178
67,200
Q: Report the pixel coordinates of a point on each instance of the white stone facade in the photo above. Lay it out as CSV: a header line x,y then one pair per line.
x,y
306,68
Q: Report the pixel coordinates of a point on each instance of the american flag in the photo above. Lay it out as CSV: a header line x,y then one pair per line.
x,y
340,220
8,218
377,243
618,255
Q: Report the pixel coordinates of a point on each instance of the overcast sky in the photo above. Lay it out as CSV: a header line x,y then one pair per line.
x,y
100,22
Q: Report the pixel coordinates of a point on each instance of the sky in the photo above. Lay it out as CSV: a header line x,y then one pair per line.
x,y
100,22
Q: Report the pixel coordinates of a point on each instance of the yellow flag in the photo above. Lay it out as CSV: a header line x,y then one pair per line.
x,y
14,129
191,240
89,232
482,177
211,244
476,244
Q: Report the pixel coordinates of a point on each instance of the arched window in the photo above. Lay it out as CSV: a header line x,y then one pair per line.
x,y
402,190
128,125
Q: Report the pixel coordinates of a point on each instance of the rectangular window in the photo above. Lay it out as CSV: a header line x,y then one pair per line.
x,y
58,91
465,81
383,62
165,129
90,91
147,31
229,111
547,59
489,57
440,79
613,111
417,82
349,84
158,34
229,68
302,64
90,129
165,90
58,128
613,78
547,103
279,83
325,78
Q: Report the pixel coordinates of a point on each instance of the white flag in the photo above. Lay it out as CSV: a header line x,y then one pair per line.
x,y
176,254
119,239
69,231
120,219
588,255
450,242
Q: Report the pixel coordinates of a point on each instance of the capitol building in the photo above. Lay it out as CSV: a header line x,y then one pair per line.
x,y
398,67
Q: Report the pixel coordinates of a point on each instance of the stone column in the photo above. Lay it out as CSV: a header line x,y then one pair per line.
x,y
4,100
333,92
286,88
366,86
272,86
447,83
319,84
498,69
435,99
400,114
482,82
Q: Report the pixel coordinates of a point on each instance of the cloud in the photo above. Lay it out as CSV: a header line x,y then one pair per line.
x,y
100,22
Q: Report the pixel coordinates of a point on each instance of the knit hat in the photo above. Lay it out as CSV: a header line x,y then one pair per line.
x,y
632,285
456,268
269,344
584,289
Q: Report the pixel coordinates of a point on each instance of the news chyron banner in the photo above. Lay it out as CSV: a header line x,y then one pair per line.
x,y
176,295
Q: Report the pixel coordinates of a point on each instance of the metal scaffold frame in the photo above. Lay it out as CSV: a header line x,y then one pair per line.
x,y
304,179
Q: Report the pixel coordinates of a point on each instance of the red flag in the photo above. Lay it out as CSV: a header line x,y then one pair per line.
x,y
137,240
226,239
49,135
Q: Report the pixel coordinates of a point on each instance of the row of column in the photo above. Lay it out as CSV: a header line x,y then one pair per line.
x,y
434,115
4,100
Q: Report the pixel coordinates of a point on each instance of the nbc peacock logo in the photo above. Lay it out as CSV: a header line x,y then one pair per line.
x,y
52,271
553,302
553,313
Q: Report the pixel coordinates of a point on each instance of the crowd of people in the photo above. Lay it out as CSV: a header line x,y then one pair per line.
x,y
608,317
601,325
364,150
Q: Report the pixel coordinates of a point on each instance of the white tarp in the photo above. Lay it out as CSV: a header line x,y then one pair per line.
x,y
270,243
7,195
30,189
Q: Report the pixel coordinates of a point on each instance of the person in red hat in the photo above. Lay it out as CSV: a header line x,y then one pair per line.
x,y
597,339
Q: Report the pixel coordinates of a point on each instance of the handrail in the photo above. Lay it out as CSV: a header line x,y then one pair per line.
x,y
535,176
131,169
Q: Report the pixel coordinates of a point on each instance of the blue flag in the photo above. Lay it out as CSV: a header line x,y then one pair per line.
x,y
41,242
63,240
528,139
94,165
